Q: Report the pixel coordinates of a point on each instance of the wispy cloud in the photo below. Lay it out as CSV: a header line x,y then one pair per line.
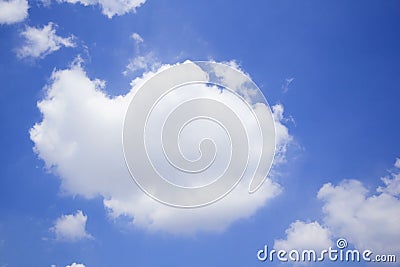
x,y
141,61
285,86
40,42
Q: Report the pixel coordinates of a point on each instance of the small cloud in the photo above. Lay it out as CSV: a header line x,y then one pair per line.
x,y
147,62
392,182
13,11
76,265
110,8
285,86
40,42
301,235
138,39
71,227
45,3
142,61
397,163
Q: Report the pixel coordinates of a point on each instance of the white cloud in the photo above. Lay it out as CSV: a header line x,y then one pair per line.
x,y
367,221
397,163
76,265
350,211
45,3
13,11
111,8
283,138
302,236
79,139
147,62
236,82
137,38
392,185
71,227
138,42
40,42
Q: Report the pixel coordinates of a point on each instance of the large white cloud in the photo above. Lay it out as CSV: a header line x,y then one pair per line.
x,y
40,42
71,227
350,211
79,139
13,11
111,8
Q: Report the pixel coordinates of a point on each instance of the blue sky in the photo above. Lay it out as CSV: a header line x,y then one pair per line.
x,y
341,111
